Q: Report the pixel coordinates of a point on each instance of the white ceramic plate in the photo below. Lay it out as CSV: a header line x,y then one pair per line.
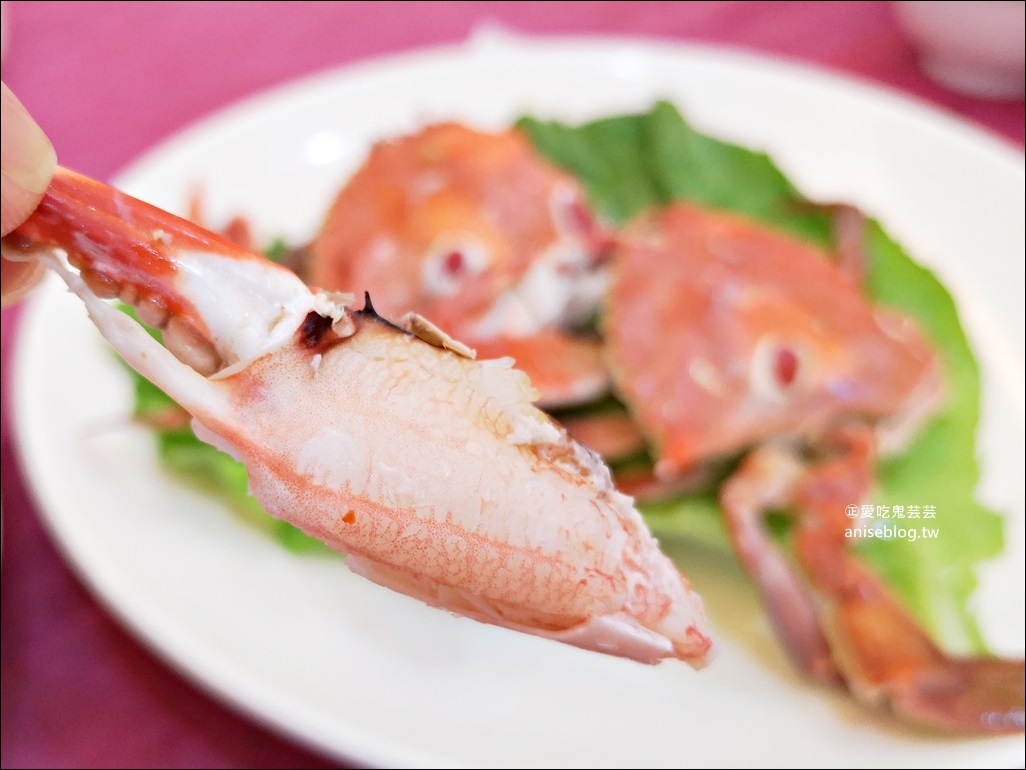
x,y
320,654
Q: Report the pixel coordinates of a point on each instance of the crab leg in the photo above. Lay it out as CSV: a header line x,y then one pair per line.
x,y
434,472
834,610
882,652
765,481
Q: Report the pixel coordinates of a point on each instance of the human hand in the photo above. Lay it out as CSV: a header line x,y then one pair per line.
x,y
27,161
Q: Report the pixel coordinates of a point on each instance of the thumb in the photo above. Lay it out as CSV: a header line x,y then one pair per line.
x,y
27,160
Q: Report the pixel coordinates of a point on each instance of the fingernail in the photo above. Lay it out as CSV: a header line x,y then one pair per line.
x,y
26,157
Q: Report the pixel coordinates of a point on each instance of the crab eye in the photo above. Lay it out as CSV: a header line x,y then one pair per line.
x,y
450,263
454,263
785,366
776,370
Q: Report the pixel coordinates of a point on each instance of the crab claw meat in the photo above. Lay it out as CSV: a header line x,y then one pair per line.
x,y
433,471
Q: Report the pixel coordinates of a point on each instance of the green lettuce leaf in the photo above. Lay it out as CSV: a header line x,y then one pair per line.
x,y
629,163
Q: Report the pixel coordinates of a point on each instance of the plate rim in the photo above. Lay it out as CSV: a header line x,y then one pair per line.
x,y
508,41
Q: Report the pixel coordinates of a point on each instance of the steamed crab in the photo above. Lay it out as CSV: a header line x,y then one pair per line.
x,y
433,471
479,234
726,337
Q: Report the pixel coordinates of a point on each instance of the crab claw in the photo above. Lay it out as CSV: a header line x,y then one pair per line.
x,y
434,472
174,277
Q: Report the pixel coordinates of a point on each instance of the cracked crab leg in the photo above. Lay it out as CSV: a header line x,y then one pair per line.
x,y
433,471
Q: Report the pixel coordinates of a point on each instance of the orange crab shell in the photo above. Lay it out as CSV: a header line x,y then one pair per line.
x,y
478,233
444,220
723,332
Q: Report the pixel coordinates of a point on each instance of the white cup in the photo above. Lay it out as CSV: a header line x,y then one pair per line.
x,y
976,47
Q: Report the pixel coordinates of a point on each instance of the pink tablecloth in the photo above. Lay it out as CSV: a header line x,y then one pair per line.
x,y
107,81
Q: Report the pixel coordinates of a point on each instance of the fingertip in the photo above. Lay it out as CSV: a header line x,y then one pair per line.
x,y
17,279
16,204
27,161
